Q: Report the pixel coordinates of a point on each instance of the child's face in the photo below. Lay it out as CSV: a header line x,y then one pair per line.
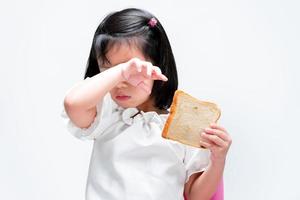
x,y
124,94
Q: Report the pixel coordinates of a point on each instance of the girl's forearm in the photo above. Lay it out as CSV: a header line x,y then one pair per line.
x,y
90,91
206,185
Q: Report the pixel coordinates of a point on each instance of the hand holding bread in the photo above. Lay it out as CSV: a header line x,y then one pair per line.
x,y
193,122
217,140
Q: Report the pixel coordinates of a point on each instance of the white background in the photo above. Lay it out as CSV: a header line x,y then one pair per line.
x,y
242,55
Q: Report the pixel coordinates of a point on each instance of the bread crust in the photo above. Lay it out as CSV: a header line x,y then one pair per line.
x,y
173,111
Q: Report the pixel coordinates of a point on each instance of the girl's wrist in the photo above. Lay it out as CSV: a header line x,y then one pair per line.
x,y
121,71
218,162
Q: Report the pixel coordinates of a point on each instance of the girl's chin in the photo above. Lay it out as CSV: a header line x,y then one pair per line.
x,y
124,104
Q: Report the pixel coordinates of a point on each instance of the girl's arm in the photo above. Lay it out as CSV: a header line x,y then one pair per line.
x,y
81,100
204,185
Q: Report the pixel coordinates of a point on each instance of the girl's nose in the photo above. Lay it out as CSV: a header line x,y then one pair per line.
x,y
122,85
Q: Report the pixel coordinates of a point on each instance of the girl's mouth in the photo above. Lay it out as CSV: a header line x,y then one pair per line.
x,y
122,97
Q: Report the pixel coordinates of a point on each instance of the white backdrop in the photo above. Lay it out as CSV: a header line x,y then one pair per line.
x,y
243,55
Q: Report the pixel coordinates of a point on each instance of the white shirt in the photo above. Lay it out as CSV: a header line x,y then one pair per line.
x,y
131,160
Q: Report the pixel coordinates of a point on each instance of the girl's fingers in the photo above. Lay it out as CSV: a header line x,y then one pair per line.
x,y
144,87
135,80
138,67
220,133
205,144
163,77
157,70
216,126
146,70
215,139
203,139
149,70
158,75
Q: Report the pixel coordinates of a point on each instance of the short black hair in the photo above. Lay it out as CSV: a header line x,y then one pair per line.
x,y
131,25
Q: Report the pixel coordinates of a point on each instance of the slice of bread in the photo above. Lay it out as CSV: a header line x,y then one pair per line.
x,y
188,117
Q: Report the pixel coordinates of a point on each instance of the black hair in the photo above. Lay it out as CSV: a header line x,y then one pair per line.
x,y
131,25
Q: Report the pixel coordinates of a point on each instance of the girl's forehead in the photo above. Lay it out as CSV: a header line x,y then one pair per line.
x,y
120,53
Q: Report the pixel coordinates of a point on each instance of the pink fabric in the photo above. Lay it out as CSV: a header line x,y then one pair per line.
x,y
219,194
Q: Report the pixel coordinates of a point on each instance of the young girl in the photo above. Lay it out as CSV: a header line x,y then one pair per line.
x,y
123,104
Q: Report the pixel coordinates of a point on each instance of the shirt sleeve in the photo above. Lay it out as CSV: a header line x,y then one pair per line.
x,y
195,160
100,123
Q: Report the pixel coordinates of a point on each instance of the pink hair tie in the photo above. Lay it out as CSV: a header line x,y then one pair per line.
x,y
152,22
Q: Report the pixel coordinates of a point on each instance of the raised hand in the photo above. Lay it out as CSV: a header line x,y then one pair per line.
x,y
136,71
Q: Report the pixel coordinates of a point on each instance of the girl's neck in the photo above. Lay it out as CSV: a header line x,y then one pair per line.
x,y
149,106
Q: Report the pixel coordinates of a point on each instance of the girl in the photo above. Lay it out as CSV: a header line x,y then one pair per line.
x,y
123,104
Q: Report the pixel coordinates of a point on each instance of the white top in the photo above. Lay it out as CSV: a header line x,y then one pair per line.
x,y
131,160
